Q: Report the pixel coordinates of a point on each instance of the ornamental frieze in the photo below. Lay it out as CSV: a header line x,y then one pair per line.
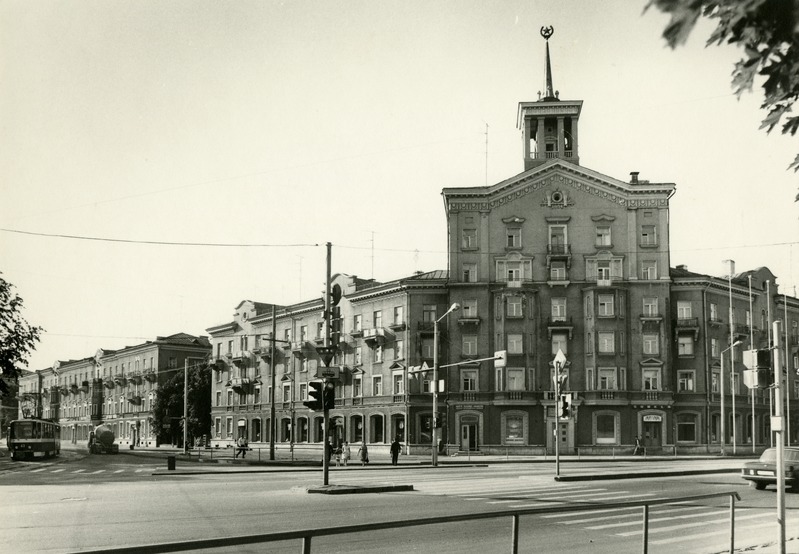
x,y
559,180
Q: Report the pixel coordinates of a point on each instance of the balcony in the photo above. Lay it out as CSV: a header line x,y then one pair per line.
x,y
688,325
135,378
469,320
649,398
150,375
651,316
299,346
108,382
560,324
134,398
397,326
120,380
73,388
240,357
559,250
375,336
240,383
715,322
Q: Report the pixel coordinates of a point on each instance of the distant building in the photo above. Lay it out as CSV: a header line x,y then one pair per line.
x,y
115,387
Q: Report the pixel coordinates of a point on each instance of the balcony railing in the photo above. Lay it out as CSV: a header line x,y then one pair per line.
x,y
687,323
559,249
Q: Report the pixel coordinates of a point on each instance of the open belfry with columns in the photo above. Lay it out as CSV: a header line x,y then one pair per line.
x,y
556,258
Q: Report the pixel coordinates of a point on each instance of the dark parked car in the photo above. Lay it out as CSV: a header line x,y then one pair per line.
x,y
764,471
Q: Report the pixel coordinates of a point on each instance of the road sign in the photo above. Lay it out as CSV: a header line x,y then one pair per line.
x,y
327,353
331,372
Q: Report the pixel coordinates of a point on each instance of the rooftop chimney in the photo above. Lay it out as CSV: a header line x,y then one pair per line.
x,y
634,176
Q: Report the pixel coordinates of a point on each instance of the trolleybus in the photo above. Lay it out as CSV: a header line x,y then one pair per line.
x,y
29,438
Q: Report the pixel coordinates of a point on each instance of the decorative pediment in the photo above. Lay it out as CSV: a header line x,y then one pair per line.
x,y
650,362
513,219
396,366
603,217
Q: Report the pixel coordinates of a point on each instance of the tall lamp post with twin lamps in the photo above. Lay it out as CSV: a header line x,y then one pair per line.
x,y
721,378
434,436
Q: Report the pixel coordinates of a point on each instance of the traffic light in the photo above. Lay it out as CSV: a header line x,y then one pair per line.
x,y
565,406
335,326
329,396
315,396
441,419
759,373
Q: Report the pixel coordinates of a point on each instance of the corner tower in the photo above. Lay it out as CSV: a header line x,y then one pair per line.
x,y
549,125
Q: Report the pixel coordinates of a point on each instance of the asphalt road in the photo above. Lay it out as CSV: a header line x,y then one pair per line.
x,y
101,502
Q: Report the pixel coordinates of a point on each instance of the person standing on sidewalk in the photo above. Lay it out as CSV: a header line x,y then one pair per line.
x,y
637,446
395,451
346,453
363,454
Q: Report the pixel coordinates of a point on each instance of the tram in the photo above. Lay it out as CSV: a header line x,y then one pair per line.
x,y
29,438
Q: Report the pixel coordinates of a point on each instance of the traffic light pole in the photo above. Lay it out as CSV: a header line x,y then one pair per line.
x,y
556,435
326,411
777,426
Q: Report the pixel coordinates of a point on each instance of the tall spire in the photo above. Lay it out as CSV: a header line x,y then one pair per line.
x,y
549,91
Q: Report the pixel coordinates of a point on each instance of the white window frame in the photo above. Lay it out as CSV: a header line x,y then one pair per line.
x,y
606,305
469,345
686,379
515,343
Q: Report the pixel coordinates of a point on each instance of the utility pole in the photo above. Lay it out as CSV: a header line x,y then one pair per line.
x,y
185,405
777,426
272,414
325,411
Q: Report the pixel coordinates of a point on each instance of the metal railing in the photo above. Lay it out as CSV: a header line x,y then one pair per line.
x,y
307,535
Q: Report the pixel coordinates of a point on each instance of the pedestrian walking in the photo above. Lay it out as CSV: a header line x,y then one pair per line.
x,y
363,454
339,451
241,448
637,446
346,453
395,451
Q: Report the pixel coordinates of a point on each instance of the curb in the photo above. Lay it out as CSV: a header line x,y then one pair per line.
x,y
351,489
613,476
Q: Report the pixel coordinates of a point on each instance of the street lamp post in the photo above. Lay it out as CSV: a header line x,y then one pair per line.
x,y
434,435
560,363
721,378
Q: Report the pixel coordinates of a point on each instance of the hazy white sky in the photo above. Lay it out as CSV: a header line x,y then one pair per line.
x,y
296,123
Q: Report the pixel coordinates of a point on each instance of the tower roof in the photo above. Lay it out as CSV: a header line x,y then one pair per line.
x,y
549,91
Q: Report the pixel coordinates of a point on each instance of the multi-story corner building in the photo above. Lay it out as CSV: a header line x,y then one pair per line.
x,y
559,257
115,387
385,329
710,314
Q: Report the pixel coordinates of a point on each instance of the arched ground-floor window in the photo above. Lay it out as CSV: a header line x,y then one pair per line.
x,y
356,428
377,428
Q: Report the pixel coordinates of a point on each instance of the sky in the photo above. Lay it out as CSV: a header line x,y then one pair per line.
x,y
206,151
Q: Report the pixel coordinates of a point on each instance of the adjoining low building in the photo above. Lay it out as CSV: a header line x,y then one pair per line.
x,y
115,387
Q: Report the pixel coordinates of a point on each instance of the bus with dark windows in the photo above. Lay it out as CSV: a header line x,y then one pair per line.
x,y
31,438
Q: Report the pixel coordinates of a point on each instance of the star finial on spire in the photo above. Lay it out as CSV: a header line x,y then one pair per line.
x,y
549,93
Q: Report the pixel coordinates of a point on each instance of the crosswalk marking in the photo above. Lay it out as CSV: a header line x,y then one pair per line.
x,y
724,530
653,520
619,516
695,524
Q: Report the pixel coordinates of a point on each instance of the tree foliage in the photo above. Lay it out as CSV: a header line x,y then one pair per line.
x,y
17,337
168,405
768,33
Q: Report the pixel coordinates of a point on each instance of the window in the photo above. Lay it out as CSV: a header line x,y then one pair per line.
x,y
607,342
429,313
559,342
469,239
513,237
514,306
217,427
607,378
648,236
357,389
714,348
558,309
469,272
651,379
257,395
399,315
557,271
229,427
514,429
378,354
399,349
398,384
606,429
468,380
469,345
287,335
303,391
603,235
304,364
377,385
515,344
714,312
357,356
378,319
686,427
651,344
683,309
649,270
558,239
685,381
714,386
515,378
357,323
650,306
427,348
320,330
605,305
218,398
229,397
286,392
685,346
469,308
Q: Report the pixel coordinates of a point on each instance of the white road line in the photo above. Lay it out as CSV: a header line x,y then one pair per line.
x,y
96,472
739,529
58,470
618,516
79,471
39,470
601,511
119,471
655,520
501,501
696,524
139,470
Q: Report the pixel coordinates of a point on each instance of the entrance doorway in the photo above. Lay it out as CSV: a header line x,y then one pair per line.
x,y
468,437
652,436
